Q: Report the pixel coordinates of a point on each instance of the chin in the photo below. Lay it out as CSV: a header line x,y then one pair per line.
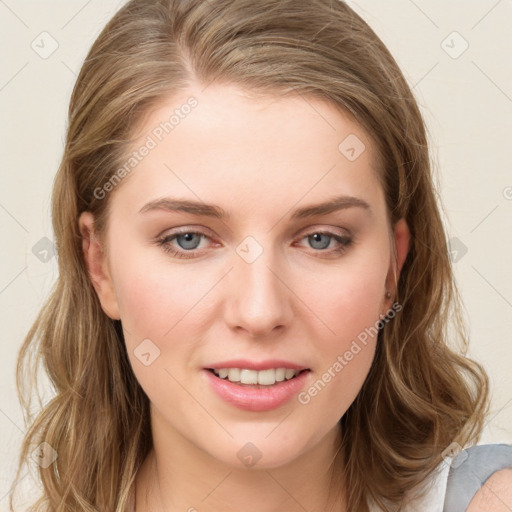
x,y
256,449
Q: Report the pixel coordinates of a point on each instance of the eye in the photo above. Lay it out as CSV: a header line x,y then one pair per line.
x,y
187,240
321,240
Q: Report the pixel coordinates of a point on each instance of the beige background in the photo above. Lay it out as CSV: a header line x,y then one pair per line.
x,y
464,93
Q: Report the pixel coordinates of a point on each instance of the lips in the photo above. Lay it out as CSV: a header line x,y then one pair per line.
x,y
256,397
256,385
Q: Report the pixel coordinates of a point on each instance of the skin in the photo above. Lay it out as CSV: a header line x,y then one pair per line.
x,y
259,159
495,495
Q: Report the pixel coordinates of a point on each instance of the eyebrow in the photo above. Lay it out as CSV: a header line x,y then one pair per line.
x,y
210,210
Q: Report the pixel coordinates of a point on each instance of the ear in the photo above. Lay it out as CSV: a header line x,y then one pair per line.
x,y
97,266
402,241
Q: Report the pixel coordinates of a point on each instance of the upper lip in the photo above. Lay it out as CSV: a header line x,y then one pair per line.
x,y
257,365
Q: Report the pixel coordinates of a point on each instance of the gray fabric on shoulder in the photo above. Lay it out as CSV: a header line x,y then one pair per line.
x,y
470,470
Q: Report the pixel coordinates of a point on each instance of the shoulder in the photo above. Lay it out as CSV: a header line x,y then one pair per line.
x,y
495,494
480,478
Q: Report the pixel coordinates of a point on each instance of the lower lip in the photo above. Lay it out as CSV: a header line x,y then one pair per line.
x,y
253,398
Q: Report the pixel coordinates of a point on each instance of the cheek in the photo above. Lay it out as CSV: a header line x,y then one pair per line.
x,y
157,303
348,299
145,299
350,309
155,295
333,389
348,302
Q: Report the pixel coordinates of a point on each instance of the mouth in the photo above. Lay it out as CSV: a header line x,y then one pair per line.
x,y
256,386
258,379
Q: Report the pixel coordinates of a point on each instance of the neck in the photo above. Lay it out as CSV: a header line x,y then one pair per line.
x,y
177,476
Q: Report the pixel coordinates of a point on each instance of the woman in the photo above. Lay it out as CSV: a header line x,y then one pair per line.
x,y
254,286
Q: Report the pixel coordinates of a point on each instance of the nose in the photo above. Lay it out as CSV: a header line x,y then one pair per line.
x,y
258,298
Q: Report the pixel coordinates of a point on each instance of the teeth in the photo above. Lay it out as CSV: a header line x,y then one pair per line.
x,y
233,374
263,377
288,374
280,374
267,377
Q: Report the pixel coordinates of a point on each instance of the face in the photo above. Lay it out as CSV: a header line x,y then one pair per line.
x,y
266,282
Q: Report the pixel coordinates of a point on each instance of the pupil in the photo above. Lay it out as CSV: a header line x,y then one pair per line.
x,y
317,239
187,240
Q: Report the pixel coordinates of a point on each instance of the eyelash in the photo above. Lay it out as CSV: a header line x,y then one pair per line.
x,y
164,242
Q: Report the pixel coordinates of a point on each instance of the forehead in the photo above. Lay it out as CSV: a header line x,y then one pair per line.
x,y
225,145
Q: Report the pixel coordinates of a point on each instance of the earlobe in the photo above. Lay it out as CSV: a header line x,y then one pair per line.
x,y
97,267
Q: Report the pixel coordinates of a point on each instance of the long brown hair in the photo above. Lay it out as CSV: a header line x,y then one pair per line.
x,y
420,395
